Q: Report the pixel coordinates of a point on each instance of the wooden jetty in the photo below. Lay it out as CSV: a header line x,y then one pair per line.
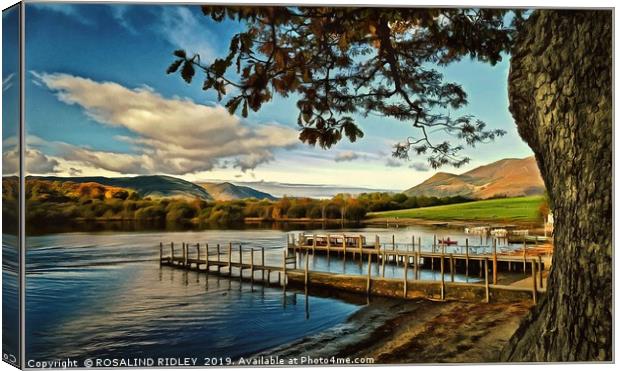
x,y
229,261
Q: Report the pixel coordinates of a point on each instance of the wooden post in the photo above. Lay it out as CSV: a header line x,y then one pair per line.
x,y
368,279
172,252
534,285
252,265
329,244
524,256
283,269
313,243
419,245
412,242
466,257
377,242
443,284
434,242
540,272
206,256
393,243
405,281
486,278
184,254
451,268
360,246
415,265
218,257
495,261
306,272
262,261
161,252
383,264
344,246
230,259
240,262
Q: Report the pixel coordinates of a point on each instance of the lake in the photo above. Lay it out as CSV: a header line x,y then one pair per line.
x,y
104,294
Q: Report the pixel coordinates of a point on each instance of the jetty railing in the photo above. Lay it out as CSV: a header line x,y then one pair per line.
x,y
229,261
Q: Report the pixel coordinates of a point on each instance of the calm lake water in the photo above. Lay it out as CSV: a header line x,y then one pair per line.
x,y
103,294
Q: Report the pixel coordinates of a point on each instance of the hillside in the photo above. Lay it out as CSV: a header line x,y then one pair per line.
x,y
518,209
508,177
228,191
145,186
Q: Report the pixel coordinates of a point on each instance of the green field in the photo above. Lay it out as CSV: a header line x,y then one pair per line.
x,y
518,209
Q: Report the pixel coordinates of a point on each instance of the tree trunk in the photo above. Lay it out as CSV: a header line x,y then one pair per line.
x,y
561,98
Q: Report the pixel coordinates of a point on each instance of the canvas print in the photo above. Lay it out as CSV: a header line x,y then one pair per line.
x,y
230,185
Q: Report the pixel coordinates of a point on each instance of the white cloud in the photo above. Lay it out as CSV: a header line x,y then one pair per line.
x,y
171,135
69,10
183,29
35,162
119,13
390,162
347,156
419,166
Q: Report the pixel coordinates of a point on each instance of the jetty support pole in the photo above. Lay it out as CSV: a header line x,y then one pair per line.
x,y
230,259
262,262
452,267
360,246
252,265
524,256
218,257
443,283
171,252
313,243
368,279
184,254
329,244
405,281
534,285
495,261
206,256
540,272
377,242
306,281
161,252
466,257
284,269
434,242
415,265
383,264
344,247
240,264
486,278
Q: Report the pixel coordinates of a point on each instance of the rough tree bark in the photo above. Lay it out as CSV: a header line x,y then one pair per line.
x,y
560,88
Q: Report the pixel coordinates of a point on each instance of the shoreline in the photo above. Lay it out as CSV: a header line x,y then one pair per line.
x,y
395,331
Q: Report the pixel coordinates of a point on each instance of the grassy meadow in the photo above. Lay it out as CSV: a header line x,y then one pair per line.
x,y
517,209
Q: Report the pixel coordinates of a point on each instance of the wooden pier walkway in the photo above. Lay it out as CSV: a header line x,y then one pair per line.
x,y
229,261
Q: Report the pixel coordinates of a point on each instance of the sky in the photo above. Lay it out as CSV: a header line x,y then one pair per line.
x,y
98,102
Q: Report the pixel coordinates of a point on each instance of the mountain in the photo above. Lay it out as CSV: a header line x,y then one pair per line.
x,y
320,191
144,185
228,191
509,177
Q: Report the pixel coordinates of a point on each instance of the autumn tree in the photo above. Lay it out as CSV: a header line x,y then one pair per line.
x,y
344,62
368,61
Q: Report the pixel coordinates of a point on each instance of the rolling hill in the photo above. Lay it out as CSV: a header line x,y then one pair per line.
x,y
228,191
509,177
144,185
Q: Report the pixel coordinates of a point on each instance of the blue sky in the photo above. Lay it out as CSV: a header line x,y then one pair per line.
x,y
100,103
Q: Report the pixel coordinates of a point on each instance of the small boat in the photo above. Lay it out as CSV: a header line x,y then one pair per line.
x,y
448,241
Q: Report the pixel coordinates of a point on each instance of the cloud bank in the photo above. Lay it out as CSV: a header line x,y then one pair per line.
x,y
170,135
